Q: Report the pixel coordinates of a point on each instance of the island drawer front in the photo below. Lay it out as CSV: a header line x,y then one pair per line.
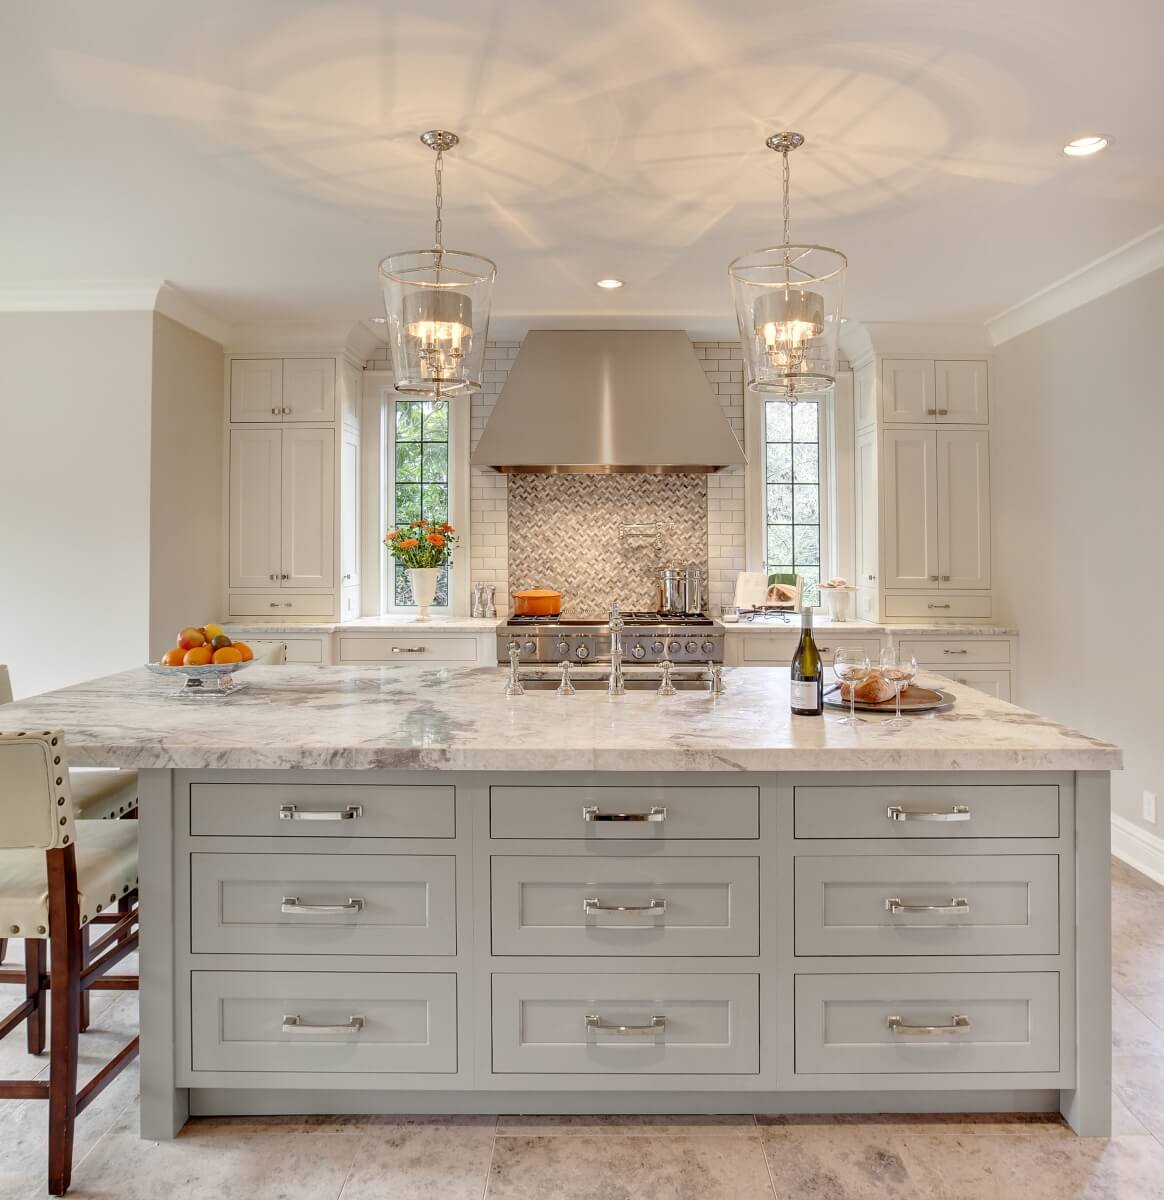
x,y
994,810
682,906
951,653
620,813
1009,1022
779,648
323,810
280,604
995,904
381,903
544,1024
406,1022
940,606
405,649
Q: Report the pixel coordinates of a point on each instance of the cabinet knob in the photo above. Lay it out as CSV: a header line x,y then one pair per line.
x,y
945,579
934,578
287,411
943,412
931,412
347,577
284,576
274,412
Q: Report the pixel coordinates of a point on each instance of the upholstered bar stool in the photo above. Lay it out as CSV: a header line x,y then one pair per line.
x,y
58,877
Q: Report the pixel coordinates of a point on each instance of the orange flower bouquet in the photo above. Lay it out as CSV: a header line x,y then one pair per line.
x,y
421,545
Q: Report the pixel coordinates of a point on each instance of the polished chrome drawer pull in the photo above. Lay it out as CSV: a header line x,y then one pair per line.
x,y
957,1025
958,812
291,812
955,651
409,649
593,905
291,905
656,813
957,904
937,606
595,1023
294,1024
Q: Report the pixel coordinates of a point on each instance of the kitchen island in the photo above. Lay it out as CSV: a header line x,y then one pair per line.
x,y
396,889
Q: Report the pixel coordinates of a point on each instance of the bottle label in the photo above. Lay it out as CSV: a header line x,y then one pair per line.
x,y
804,693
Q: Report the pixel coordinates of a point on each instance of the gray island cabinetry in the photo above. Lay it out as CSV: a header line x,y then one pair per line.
x,y
368,890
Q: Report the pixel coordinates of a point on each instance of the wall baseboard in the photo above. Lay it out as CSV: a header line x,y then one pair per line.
x,y
1137,847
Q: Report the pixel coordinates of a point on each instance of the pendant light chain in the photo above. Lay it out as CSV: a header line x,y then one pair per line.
x,y
786,180
438,171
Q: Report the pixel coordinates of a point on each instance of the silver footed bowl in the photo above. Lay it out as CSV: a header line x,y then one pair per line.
x,y
212,677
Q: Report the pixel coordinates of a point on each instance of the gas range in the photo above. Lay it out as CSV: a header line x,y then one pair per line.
x,y
647,637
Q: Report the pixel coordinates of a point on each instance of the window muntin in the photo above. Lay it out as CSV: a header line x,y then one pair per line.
x,y
420,480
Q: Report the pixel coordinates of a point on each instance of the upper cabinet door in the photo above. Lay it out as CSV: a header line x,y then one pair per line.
x,y
351,386
864,401
308,508
907,389
256,389
255,546
964,507
349,509
865,467
308,389
910,520
962,392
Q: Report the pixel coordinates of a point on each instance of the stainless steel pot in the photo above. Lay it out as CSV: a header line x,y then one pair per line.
x,y
673,590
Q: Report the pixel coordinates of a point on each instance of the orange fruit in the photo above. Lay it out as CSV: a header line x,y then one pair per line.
x,y
198,656
227,654
245,650
174,657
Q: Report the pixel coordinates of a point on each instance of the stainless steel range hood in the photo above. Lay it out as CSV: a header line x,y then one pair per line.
x,y
603,401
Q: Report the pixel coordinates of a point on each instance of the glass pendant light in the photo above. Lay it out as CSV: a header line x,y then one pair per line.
x,y
788,306
437,305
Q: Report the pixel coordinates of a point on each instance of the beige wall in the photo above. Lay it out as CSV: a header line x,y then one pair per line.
x,y
185,482
1078,473
74,495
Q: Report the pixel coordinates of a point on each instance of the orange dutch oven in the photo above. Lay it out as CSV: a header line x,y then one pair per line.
x,y
537,602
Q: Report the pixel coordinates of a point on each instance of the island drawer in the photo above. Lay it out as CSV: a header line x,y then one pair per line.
x,y
649,812
962,904
330,1021
632,1024
405,650
949,654
927,1024
323,810
615,906
946,810
323,903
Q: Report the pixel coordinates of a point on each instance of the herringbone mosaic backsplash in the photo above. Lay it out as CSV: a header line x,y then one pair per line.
x,y
564,533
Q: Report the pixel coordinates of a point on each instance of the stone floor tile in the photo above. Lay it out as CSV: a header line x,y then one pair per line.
x,y
422,1160
1138,1080
840,1161
1132,1030
661,1125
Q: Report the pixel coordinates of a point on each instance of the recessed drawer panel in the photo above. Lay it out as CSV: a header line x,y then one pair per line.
x,y
323,1021
928,811
323,903
331,810
927,904
405,650
927,1024
626,1024
618,813
951,653
614,906
938,606
280,604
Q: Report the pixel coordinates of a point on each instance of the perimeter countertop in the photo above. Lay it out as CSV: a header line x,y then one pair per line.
x,y
459,719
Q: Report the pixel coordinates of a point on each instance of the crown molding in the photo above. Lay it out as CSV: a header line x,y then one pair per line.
x,y
172,302
1122,266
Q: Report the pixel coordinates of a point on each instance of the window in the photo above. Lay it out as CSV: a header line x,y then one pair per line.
x,y
419,460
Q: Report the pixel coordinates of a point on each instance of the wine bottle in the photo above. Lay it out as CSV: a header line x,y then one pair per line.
x,y
807,672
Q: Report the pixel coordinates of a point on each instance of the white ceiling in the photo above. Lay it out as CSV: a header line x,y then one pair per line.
x,y
263,155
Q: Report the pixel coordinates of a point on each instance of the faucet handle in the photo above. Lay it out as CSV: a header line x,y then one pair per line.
x,y
717,686
566,688
666,687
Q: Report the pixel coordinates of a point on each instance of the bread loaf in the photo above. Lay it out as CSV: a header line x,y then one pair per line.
x,y
873,690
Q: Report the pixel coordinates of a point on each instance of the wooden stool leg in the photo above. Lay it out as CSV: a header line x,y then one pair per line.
x,y
65,951
34,970
83,1023
3,948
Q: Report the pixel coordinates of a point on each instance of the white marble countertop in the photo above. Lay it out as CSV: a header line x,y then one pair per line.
x,y
409,718
397,623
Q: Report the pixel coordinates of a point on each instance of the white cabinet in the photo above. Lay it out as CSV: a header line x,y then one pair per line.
x,y
308,508
308,389
256,389
963,508
945,391
911,508
961,396
277,390
351,387
864,399
349,508
865,489
907,386
254,534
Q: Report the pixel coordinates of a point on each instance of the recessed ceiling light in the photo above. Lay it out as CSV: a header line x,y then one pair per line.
x,y
609,283
1082,147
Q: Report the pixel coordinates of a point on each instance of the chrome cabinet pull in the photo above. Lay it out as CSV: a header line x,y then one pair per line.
x,y
594,1024
943,412
958,1024
657,813
958,905
291,904
594,905
825,649
955,651
274,412
287,411
296,1024
931,412
945,579
958,812
937,605
409,649
934,578
292,812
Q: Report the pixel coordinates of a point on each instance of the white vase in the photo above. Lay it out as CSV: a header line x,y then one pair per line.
x,y
423,581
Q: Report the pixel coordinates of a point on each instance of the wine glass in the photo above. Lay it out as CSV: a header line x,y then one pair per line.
x,y
899,669
851,666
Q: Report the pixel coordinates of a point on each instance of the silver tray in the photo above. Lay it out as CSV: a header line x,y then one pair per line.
x,y
944,701
215,679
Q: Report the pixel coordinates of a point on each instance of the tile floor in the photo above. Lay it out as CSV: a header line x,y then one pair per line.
x,y
623,1158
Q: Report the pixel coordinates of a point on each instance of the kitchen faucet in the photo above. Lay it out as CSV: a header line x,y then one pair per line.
x,y
614,686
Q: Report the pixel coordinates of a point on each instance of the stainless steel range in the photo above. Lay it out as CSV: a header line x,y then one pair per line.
x,y
647,637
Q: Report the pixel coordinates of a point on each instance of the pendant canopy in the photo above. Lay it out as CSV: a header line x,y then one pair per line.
x,y
788,301
437,304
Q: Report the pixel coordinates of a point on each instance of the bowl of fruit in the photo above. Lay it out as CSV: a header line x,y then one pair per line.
x,y
207,658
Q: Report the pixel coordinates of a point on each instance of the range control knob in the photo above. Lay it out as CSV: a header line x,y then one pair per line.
x,y
583,651
638,650
529,648
675,646
707,647
691,647
657,647
563,647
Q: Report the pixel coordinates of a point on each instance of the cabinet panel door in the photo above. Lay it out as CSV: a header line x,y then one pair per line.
x,y
964,508
349,509
351,385
911,508
907,386
308,508
864,401
255,501
865,465
256,389
962,392
308,389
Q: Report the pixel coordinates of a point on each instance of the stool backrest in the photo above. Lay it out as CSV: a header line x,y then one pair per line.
x,y
36,806
5,685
